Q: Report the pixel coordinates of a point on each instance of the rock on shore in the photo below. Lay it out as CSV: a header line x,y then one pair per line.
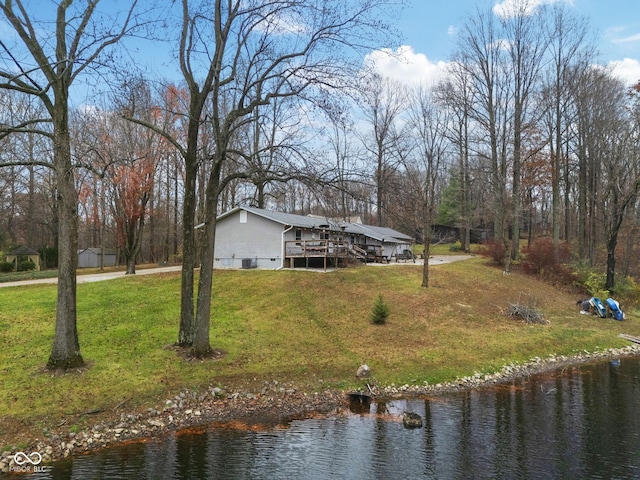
x,y
273,404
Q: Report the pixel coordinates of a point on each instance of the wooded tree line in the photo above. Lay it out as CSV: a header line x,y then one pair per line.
x,y
271,105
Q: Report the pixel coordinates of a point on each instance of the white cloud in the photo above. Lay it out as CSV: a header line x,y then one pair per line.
x,y
509,8
627,70
629,39
406,66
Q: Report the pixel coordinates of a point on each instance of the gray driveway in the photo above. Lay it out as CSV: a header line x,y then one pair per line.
x,y
98,277
95,277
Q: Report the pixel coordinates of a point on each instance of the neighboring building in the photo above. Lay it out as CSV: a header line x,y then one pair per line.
x,y
254,238
23,253
91,257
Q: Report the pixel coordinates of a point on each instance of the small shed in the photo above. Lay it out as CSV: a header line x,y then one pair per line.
x,y
90,257
24,253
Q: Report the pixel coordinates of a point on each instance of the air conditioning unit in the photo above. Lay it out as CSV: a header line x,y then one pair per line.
x,y
249,263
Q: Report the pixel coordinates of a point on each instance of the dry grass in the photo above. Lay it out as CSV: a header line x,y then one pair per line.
x,y
309,328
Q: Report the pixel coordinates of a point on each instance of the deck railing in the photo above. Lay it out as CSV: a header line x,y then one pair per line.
x,y
316,248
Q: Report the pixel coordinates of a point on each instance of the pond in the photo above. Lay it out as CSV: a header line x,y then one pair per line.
x,y
578,422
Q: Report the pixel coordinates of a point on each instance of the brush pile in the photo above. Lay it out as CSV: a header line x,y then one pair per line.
x,y
528,314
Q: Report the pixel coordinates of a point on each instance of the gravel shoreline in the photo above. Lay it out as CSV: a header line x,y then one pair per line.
x,y
273,404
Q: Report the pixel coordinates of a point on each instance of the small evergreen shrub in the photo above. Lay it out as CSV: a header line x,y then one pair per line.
x,y
380,311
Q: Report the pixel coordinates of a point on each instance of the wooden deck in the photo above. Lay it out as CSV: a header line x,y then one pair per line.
x,y
328,252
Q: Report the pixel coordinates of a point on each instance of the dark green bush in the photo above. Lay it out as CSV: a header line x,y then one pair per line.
x,y
6,267
26,266
49,256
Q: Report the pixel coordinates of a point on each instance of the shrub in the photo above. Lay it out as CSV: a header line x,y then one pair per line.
x,y
595,285
380,311
493,249
26,266
627,288
539,257
6,267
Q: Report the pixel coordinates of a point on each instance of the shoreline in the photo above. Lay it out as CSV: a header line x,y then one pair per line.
x,y
273,404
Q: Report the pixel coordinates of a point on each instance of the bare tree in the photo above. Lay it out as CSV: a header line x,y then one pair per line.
x,y
480,55
567,47
428,123
621,166
455,94
45,63
384,100
525,44
23,210
590,131
345,157
239,56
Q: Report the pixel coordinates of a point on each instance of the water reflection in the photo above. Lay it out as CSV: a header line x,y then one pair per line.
x,y
580,422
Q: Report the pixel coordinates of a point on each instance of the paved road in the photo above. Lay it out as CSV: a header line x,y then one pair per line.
x,y
96,277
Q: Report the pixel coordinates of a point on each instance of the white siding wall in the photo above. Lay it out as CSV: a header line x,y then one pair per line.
x,y
244,235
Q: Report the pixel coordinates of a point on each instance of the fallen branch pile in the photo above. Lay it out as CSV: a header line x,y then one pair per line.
x,y
528,314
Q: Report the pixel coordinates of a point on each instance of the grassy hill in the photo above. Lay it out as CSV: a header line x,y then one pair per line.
x,y
309,328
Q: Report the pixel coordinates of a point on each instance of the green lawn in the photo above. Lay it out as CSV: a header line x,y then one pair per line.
x,y
309,328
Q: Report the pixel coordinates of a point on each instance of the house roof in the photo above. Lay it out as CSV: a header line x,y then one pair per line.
x,y
314,221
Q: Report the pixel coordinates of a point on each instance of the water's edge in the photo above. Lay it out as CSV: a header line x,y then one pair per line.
x,y
274,404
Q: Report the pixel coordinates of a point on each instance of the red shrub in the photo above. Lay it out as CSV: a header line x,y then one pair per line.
x,y
493,249
539,257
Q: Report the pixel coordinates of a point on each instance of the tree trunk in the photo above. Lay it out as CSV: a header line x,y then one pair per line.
x,y
131,265
186,331
425,255
611,262
66,348
201,346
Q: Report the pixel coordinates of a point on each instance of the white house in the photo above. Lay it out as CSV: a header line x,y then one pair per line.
x,y
249,237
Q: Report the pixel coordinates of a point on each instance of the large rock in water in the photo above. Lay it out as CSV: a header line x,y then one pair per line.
x,y
411,420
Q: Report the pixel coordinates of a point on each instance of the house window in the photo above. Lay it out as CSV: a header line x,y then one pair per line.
x,y
243,216
298,234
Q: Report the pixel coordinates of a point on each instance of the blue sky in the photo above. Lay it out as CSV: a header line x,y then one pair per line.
x,y
429,27
429,36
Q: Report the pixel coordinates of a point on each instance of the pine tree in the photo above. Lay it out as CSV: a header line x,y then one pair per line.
x,y
380,311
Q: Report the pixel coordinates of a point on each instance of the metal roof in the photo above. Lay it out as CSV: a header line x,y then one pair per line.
x,y
378,233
